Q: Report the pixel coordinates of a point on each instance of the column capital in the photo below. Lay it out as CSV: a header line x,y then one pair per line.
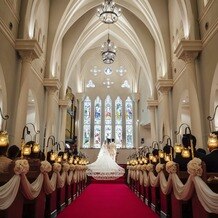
x,y
64,102
164,85
188,50
29,49
135,96
52,84
80,96
152,104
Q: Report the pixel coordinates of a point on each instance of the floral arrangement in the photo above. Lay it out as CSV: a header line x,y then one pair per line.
x,y
66,167
171,167
150,167
45,167
159,167
194,167
72,167
56,167
21,167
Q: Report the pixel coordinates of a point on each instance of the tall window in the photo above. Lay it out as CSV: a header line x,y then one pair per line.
x,y
97,122
118,122
129,122
87,123
108,117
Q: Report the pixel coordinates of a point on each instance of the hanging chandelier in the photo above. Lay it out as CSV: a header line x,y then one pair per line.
x,y
108,51
108,12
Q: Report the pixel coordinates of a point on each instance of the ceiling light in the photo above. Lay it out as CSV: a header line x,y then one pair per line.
x,y
108,12
108,51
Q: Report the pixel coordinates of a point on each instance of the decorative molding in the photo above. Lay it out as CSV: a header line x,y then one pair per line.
x,y
164,85
187,50
29,49
53,84
7,32
64,102
135,96
80,96
207,8
152,104
13,10
211,32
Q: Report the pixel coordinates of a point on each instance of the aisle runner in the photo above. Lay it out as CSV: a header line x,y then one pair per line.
x,y
107,201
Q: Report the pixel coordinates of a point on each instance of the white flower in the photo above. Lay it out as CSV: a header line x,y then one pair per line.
x,y
194,167
45,167
21,167
171,167
159,167
72,167
150,167
66,167
56,167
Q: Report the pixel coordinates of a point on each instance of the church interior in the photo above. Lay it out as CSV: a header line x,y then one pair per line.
x,y
81,80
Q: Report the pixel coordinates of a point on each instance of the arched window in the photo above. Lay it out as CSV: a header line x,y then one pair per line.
x,y
87,123
97,123
108,117
129,122
118,122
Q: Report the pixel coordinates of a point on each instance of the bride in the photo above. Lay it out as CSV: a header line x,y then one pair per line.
x,y
105,168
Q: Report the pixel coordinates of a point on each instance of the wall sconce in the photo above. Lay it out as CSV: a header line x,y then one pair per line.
x,y
185,153
212,141
210,119
178,146
4,139
26,148
70,160
53,154
168,143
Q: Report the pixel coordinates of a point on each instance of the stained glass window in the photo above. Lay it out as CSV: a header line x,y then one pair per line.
x,y
97,122
118,122
87,123
108,117
129,122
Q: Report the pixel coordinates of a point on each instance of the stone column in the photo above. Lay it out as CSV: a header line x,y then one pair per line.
x,y
80,99
188,51
52,89
152,105
135,98
64,104
28,50
164,86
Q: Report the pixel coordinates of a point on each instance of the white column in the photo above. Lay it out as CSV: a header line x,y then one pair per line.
x,y
164,86
188,51
29,50
152,105
64,104
52,89
135,98
80,99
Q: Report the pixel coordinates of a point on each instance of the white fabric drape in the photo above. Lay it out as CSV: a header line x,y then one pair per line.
x,y
8,192
206,196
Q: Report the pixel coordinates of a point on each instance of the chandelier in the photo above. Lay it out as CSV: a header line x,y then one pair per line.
x,y
108,12
108,51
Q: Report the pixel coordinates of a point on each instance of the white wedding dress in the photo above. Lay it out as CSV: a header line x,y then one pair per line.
x,y
105,168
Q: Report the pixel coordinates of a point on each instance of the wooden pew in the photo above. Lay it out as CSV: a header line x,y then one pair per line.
x,y
198,209
16,208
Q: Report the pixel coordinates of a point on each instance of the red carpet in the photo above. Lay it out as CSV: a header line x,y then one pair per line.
x,y
107,201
